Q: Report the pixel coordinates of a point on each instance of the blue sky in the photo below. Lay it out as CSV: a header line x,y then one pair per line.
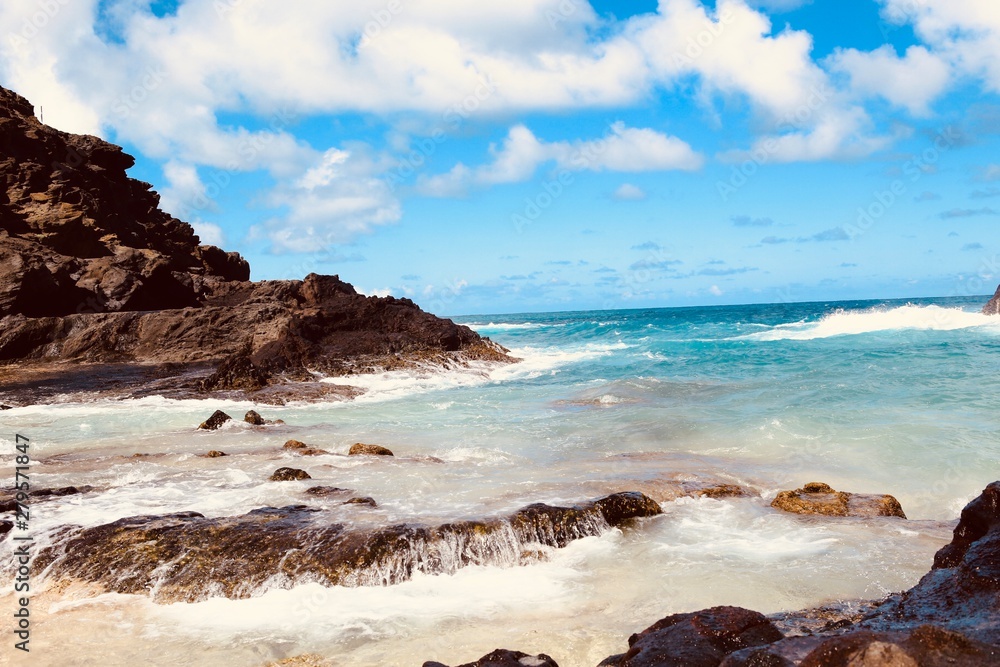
x,y
536,155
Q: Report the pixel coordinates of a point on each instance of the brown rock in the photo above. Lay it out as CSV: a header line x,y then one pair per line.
x,y
924,647
215,453
699,639
992,306
91,270
237,555
288,475
820,498
360,448
294,444
504,658
217,419
253,418
327,491
361,501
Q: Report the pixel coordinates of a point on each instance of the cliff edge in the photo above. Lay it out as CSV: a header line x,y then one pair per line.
x,y
93,272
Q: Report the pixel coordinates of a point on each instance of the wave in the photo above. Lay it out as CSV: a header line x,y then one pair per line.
x,y
847,323
510,326
535,362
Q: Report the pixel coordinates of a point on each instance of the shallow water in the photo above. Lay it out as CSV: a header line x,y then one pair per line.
x,y
869,397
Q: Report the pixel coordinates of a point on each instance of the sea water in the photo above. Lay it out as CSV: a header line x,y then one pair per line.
x,y
892,397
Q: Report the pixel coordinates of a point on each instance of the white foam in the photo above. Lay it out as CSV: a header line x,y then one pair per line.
x,y
510,326
842,323
535,362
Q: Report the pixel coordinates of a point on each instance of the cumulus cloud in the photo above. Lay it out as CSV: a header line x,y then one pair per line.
x,y
912,81
518,156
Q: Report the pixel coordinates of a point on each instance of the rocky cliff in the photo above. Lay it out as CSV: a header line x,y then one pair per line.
x,y
992,306
91,270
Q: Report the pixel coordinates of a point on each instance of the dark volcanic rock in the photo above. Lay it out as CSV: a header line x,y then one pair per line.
x,y
360,448
504,658
327,491
926,646
370,502
289,475
91,270
214,422
962,590
819,498
992,306
699,639
236,555
252,417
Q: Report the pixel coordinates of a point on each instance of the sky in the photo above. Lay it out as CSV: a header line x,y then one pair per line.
x,y
548,155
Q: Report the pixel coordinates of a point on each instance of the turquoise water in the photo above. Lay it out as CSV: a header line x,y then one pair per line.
x,y
892,397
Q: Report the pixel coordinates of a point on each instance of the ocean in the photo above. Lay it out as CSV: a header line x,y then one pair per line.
x,y
895,397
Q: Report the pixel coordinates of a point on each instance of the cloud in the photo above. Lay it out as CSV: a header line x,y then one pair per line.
x,y
727,272
991,172
833,234
658,265
988,193
972,246
848,265
647,245
715,291
912,81
747,221
967,212
518,156
409,276
927,196
334,200
965,33
628,192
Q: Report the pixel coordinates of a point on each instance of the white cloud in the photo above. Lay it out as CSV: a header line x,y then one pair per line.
x,y
715,291
966,33
629,192
209,233
622,149
334,200
912,81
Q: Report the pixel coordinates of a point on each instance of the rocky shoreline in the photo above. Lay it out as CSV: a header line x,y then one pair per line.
x,y
102,293
951,617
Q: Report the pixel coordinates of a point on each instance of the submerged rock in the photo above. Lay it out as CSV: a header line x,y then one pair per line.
x,y
820,498
303,449
322,491
288,475
361,501
253,418
214,454
236,556
217,419
360,448
504,658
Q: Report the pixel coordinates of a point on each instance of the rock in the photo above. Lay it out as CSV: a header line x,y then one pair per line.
x,y
253,418
5,527
217,419
725,491
927,645
288,475
992,306
62,491
961,593
360,448
236,555
327,491
215,453
699,639
361,501
504,658
5,407
294,444
92,271
819,498
303,449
